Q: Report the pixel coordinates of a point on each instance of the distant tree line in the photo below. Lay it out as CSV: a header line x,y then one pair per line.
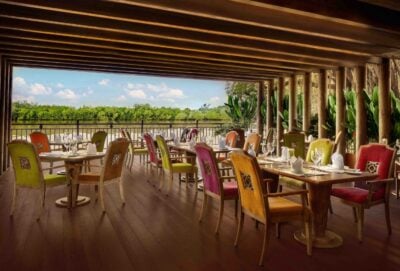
x,y
23,111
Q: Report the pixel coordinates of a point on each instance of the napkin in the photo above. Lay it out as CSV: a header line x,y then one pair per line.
x,y
337,161
296,164
91,148
310,138
251,151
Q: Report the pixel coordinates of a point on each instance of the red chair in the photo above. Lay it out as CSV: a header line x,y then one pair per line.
x,y
231,139
41,143
154,159
214,185
192,134
375,158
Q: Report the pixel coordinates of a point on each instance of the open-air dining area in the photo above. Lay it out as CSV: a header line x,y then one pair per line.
x,y
294,167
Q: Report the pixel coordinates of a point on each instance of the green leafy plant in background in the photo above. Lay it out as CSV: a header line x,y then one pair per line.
x,y
241,110
330,124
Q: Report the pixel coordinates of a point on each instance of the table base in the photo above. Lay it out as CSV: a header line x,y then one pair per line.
x,y
80,201
330,240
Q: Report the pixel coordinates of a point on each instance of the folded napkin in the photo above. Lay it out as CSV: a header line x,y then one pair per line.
x,y
337,161
296,164
221,144
91,148
251,151
310,138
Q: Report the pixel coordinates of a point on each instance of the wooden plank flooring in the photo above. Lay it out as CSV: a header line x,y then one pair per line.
x,y
156,232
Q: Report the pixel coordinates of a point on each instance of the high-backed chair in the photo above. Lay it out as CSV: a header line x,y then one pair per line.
x,y
99,139
374,158
231,139
41,143
213,183
296,141
170,167
138,150
111,170
262,206
28,171
184,134
154,159
253,141
192,134
338,137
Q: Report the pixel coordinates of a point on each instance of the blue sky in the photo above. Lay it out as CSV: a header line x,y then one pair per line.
x,y
76,88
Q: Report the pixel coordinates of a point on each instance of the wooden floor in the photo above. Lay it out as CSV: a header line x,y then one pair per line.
x,y
155,232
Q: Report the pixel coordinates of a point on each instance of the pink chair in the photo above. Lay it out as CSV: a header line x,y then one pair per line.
x,y
192,134
214,185
154,159
375,158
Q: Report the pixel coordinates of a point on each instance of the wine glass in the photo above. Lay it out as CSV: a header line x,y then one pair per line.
x,y
272,147
264,148
66,141
316,157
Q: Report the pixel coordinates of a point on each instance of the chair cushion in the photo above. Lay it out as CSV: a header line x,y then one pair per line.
x,y
230,188
182,167
89,177
355,194
54,179
282,206
140,151
292,183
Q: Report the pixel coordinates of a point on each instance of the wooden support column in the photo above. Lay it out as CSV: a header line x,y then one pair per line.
x,y
260,100
8,98
279,128
361,118
384,100
306,101
292,103
269,121
3,125
340,108
322,104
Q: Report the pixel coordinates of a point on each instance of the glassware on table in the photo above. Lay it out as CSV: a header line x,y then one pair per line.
x,y
67,142
316,158
264,149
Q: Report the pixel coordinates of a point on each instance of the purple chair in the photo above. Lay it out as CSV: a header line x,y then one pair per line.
x,y
214,185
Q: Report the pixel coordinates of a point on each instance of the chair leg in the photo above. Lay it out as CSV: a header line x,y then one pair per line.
x,y
221,212
265,242
42,199
278,230
51,167
171,178
330,206
121,191
355,214
96,190
14,196
204,206
101,196
387,216
239,228
236,207
131,162
360,223
397,187
162,180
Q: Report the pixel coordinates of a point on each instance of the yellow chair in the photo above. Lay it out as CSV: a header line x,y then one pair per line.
x,y
111,170
28,171
136,149
296,141
170,167
263,206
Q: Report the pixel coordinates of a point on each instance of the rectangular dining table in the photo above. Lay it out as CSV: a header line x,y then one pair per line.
x,y
73,165
319,186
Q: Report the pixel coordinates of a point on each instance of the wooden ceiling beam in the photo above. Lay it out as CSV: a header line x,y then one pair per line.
x,y
132,30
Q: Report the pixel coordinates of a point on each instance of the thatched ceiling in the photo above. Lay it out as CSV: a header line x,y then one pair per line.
x,y
214,39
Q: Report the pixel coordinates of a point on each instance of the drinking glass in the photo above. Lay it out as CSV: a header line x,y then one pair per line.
x,y
264,149
67,141
272,147
316,157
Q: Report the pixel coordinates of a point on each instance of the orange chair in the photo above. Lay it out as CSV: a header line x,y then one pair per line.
x,y
253,141
265,207
41,143
231,139
375,158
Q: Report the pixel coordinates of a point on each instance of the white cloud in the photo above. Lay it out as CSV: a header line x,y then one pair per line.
x,y
104,82
87,93
172,94
39,89
67,94
137,94
121,98
22,98
59,85
19,82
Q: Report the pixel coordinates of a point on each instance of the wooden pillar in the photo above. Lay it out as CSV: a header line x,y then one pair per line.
x,y
2,112
306,101
8,113
340,108
292,103
260,99
322,104
269,121
384,100
361,118
279,128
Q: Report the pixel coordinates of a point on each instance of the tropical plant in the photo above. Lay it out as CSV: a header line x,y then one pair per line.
x,y
330,124
241,110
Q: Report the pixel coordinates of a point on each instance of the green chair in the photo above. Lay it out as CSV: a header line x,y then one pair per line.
x,y
170,167
28,171
99,139
296,141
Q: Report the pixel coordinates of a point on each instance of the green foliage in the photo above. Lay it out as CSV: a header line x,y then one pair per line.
x,y
241,110
241,89
22,111
330,124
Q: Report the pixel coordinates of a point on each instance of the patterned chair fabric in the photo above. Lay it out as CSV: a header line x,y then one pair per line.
x,y
213,184
375,158
266,208
192,134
